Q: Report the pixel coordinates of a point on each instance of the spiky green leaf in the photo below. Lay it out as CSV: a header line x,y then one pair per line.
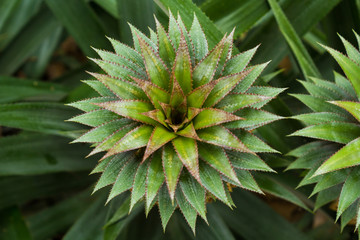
x,y
155,178
194,194
211,117
186,149
347,156
172,167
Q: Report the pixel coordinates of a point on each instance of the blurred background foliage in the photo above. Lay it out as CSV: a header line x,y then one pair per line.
x,y
45,186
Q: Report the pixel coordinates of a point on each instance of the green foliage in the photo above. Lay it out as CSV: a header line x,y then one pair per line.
x,y
179,96
342,127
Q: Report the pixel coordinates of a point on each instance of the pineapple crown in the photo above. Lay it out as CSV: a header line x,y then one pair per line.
x,y
333,165
175,120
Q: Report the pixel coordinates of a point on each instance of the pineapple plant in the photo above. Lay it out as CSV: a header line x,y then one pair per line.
x,y
331,162
175,119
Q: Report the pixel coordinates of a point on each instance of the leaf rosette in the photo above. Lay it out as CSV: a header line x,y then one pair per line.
x,y
333,166
175,120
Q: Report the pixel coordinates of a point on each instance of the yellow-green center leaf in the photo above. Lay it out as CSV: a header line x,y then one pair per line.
x,y
159,137
188,131
223,86
234,102
220,136
157,115
137,138
211,117
197,97
177,95
153,92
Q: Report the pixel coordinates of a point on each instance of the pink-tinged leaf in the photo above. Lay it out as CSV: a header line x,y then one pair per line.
x,y
153,92
234,102
172,167
347,156
166,49
155,178
210,117
217,158
123,89
155,68
157,115
137,138
205,70
167,109
193,112
182,68
186,148
177,96
110,141
188,131
159,137
352,107
130,109
220,136
223,86
197,97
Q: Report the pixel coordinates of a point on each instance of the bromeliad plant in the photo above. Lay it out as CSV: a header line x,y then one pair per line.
x,y
335,118
175,120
